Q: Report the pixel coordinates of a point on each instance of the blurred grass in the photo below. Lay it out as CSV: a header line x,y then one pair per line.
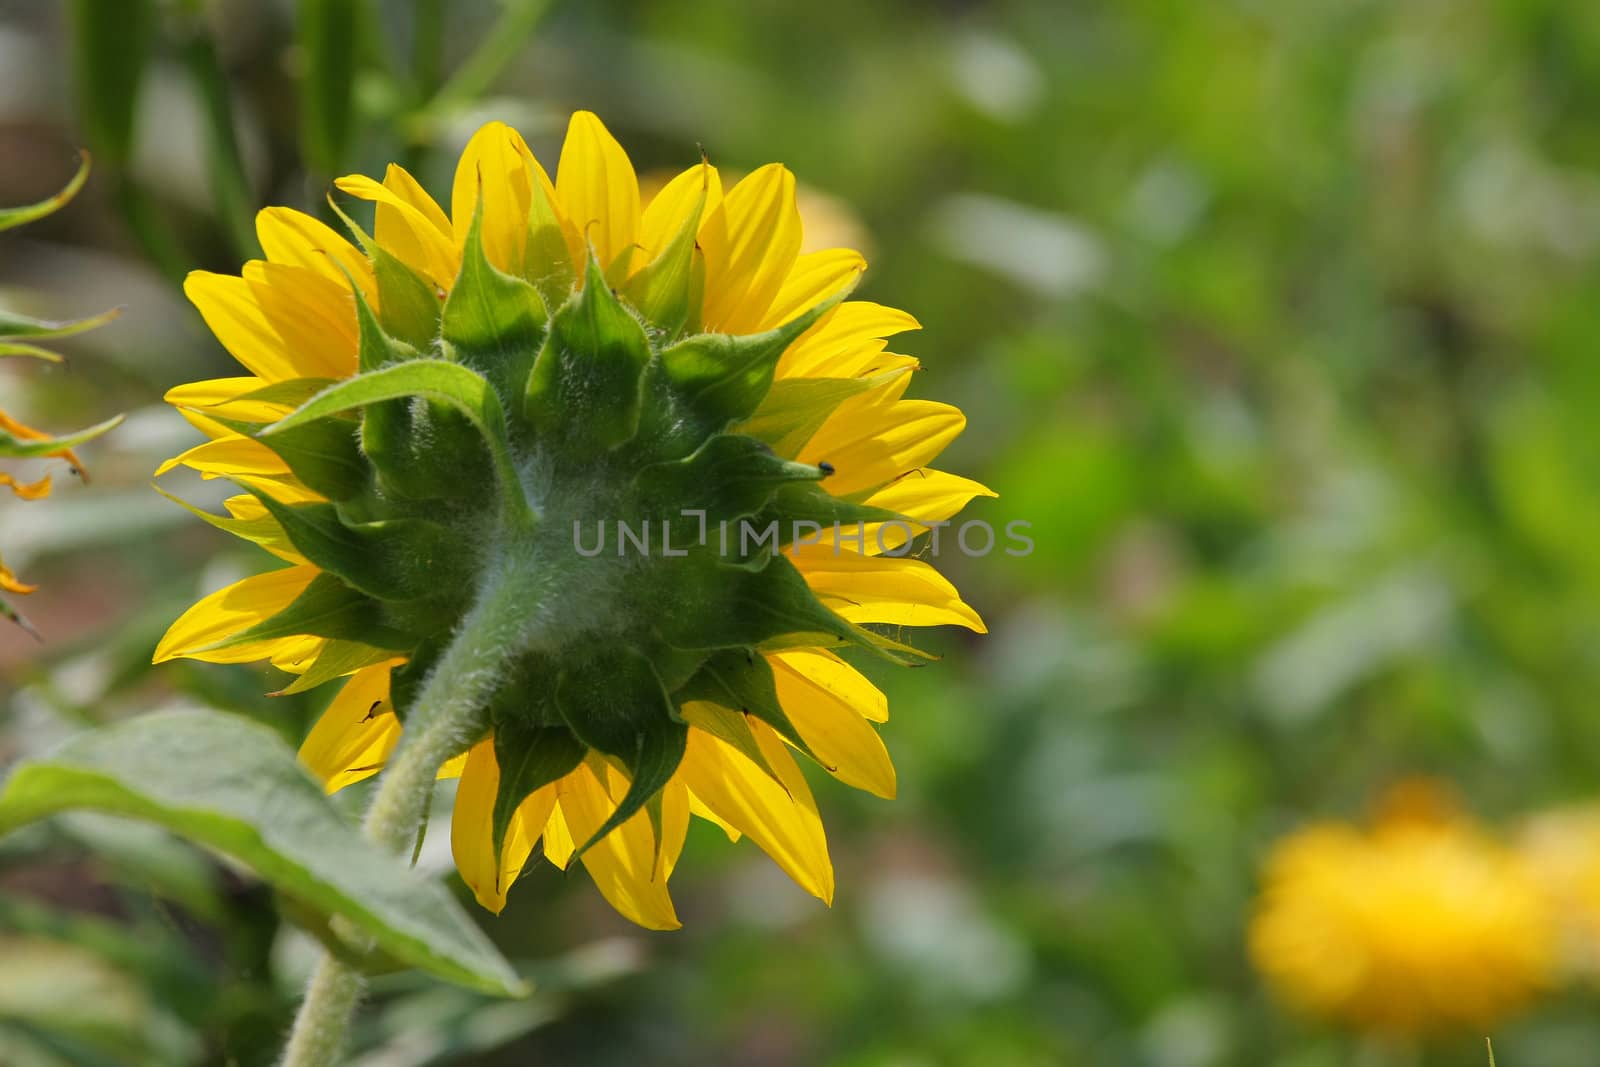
x,y
1277,322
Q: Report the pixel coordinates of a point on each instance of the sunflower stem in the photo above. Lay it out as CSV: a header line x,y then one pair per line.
x,y
448,716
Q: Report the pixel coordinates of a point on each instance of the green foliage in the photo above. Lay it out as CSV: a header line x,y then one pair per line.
x,y
329,43
233,786
112,46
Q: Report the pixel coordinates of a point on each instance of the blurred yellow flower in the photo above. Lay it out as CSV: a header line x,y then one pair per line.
x,y
1420,923
1562,848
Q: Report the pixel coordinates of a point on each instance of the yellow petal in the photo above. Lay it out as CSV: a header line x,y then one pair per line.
x,y
211,393
416,241
814,277
925,494
558,845
231,311
472,828
624,863
399,181
843,343
220,396
751,242
311,317
841,682
233,609
496,160
10,583
26,490
891,589
264,529
298,240
598,190
780,817
929,494
674,206
841,739
293,655
353,738
870,449
229,456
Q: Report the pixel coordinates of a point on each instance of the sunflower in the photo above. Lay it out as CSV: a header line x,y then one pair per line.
x,y
440,418
1422,923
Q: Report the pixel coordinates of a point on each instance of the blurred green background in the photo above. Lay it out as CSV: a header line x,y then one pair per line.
x,y
1276,320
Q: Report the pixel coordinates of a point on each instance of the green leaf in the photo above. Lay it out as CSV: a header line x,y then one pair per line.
x,y
718,379
741,680
242,792
794,409
111,47
30,351
327,608
393,559
615,703
329,45
530,758
73,999
13,447
583,394
13,325
493,322
12,217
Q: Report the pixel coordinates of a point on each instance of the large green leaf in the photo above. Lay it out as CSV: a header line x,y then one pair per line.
x,y
234,786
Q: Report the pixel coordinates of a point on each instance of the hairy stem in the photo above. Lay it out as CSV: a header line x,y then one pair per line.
x,y
447,717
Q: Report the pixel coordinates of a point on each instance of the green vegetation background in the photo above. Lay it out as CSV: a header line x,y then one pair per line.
x,y
1278,321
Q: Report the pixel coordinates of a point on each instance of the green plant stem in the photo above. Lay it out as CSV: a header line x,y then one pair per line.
x,y
229,185
149,228
448,716
499,47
